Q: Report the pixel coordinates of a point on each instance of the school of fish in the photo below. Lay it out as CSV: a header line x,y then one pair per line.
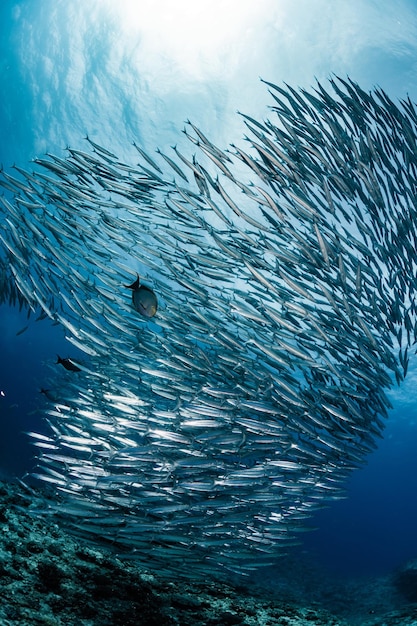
x,y
241,313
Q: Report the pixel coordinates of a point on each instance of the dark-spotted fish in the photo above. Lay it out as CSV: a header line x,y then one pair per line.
x,y
69,364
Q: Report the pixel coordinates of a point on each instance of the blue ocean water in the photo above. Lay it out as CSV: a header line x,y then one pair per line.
x,y
71,70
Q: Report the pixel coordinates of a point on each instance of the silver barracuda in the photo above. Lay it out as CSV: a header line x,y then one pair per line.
x,y
230,390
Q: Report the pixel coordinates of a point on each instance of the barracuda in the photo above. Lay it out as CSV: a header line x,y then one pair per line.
x,y
258,382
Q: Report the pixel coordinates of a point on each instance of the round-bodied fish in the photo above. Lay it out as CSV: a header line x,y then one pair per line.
x,y
143,298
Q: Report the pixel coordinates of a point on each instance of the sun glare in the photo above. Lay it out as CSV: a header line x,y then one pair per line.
x,y
197,37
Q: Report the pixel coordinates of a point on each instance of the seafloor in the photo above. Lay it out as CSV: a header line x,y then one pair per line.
x,y
47,578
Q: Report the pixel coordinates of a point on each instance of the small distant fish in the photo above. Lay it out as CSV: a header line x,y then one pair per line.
x,y
68,364
48,393
143,298
22,330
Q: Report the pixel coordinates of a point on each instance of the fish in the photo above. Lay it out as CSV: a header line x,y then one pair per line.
x,y
22,330
143,298
69,364
282,308
50,394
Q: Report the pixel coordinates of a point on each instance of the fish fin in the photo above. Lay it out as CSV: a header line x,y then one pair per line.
x,y
134,285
